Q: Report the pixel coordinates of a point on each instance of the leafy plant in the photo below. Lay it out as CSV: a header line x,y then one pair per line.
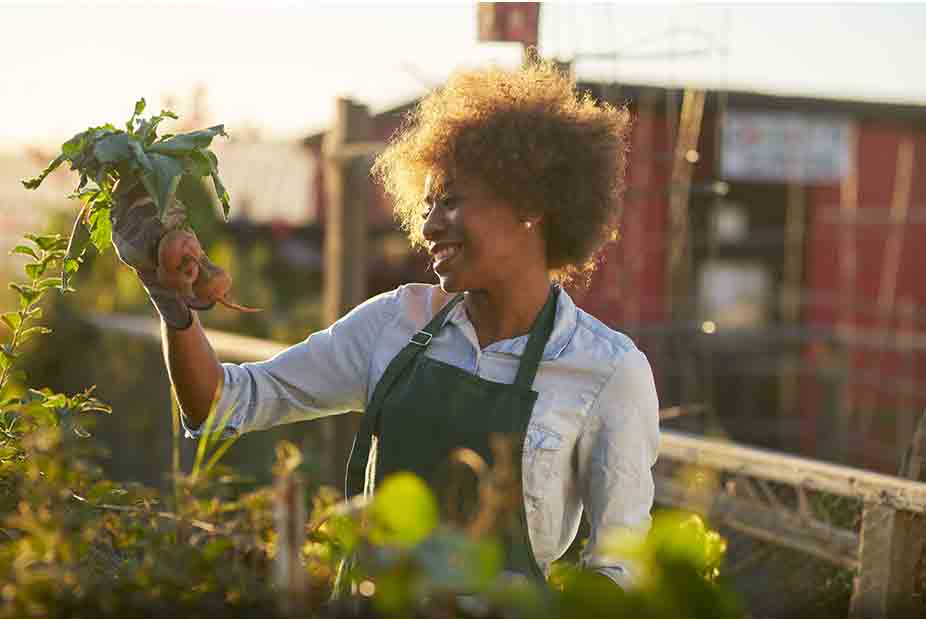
x,y
103,155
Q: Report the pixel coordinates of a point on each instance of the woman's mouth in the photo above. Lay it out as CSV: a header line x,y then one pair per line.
x,y
445,252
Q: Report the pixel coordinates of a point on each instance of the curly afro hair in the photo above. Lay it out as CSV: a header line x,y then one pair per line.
x,y
533,140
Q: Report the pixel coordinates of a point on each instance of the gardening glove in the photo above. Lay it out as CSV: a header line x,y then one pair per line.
x,y
136,233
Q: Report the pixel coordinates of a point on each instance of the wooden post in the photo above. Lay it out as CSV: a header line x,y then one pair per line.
x,y
678,272
790,306
848,268
912,451
683,162
289,577
347,200
891,544
890,271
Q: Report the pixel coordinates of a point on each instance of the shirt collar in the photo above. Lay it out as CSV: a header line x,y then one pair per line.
x,y
564,326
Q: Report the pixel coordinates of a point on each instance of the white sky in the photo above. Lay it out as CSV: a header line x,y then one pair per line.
x,y
279,65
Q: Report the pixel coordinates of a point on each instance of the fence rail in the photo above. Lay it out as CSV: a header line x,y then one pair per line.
x,y
884,551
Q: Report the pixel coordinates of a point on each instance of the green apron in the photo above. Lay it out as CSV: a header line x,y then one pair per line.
x,y
423,409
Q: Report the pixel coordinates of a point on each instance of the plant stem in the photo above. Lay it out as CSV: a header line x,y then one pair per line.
x,y
14,342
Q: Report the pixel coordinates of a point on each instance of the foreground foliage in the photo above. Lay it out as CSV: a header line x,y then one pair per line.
x,y
73,542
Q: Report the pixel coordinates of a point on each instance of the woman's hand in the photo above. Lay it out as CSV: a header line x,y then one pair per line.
x,y
137,232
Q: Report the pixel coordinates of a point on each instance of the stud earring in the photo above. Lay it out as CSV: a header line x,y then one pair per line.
x,y
528,224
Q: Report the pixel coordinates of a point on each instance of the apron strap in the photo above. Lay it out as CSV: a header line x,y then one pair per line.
x,y
416,345
539,335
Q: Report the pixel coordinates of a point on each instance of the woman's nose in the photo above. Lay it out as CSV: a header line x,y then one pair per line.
x,y
434,224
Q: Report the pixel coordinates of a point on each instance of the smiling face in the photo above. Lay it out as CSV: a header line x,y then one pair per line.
x,y
477,241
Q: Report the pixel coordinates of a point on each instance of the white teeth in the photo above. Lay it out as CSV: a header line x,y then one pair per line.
x,y
445,253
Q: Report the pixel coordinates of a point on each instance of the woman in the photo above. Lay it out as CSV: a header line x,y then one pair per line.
x,y
510,181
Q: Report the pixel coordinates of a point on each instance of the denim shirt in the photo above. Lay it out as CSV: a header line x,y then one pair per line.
x,y
591,442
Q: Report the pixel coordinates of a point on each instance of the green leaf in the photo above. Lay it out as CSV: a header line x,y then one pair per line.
x,y
12,320
73,147
113,149
404,511
27,293
139,107
35,270
94,404
150,132
7,356
55,400
217,181
37,396
101,229
48,242
86,196
25,250
141,158
186,143
35,181
165,177
27,334
198,164
48,283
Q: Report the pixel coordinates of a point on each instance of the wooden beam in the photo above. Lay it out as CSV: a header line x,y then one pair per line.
x,y
784,529
794,470
230,347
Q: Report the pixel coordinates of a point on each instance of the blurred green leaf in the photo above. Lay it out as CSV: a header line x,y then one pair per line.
x,y
48,242
55,401
27,293
288,458
12,320
7,356
404,511
35,270
29,333
26,250
47,283
139,106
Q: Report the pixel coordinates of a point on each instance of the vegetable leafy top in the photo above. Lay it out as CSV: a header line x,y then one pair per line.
x,y
103,155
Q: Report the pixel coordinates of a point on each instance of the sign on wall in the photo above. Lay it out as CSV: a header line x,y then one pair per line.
x,y
508,21
784,147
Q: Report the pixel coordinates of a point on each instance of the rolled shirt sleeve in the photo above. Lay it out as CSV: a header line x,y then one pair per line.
x,y
326,374
617,451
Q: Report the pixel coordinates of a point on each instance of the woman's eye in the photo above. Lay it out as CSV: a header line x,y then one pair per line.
x,y
446,202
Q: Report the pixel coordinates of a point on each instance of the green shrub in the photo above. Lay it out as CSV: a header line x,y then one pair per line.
x,y
74,543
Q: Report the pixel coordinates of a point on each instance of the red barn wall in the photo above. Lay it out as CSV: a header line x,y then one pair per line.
x,y
876,377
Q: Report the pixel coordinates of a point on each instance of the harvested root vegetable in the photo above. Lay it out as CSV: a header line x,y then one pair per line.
x,y
128,186
185,268
178,261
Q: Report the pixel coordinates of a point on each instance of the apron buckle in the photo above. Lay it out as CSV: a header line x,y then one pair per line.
x,y
421,338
